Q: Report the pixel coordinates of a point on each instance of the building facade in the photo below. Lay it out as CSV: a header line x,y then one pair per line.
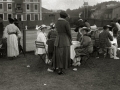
x,y
116,13
23,10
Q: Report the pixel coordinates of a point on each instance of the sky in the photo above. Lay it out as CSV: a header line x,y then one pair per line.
x,y
68,4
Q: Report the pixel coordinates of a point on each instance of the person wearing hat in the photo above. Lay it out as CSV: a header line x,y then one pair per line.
x,y
61,57
86,47
42,38
113,48
51,39
12,33
118,34
105,38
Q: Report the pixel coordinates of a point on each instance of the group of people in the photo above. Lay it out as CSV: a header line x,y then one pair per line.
x,y
102,40
59,39
11,39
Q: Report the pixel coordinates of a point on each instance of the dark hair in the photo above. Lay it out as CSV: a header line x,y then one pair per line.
x,y
111,21
63,14
105,27
85,20
119,21
11,20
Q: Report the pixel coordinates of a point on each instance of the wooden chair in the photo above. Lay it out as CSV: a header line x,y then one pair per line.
x,y
41,45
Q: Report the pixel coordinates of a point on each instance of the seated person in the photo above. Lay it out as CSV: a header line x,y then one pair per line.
x,y
105,38
85,48
51,39
79,34
113,48
95,39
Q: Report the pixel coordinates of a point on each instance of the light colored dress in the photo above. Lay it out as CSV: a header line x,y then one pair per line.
x,y
41,38
12,33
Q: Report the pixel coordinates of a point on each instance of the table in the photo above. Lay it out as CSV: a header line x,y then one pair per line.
x,y
72,49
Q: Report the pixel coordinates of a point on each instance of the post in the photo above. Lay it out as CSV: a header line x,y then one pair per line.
x,y
24,40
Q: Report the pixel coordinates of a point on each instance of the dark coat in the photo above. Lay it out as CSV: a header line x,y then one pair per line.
x,y
1,29
104,38
64,37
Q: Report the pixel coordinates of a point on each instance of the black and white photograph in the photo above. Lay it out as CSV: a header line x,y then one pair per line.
x,y
59,44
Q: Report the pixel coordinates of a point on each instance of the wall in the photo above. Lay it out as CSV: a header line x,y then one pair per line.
x,y
116,13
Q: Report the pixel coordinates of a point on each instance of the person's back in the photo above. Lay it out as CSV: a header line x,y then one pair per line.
x,y
104,38
87,24
64,33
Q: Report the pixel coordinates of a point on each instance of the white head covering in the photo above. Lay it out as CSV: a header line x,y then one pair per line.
x,y
41,27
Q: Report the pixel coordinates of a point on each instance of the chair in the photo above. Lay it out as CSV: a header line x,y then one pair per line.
x,y
41,45
85,58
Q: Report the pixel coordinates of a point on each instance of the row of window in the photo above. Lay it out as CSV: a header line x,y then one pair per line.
x,y
5,0
9,6
20,17
28,6
24,0
31,1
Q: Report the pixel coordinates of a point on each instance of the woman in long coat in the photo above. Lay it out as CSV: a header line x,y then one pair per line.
x,y
61,58
12,33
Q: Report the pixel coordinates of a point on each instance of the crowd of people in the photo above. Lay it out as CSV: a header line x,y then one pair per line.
x,y
58,41
92,39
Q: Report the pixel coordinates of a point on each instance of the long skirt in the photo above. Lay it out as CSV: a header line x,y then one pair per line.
x,y
83,51
50,43
12,46
61,57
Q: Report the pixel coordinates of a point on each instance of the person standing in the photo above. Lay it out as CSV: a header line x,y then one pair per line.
x,y
118,34
61,58
51,39
12,33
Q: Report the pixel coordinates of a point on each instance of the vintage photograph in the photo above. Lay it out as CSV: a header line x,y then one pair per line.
x,y
59,44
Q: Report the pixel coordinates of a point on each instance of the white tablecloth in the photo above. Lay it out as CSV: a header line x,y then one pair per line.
x,y
72,48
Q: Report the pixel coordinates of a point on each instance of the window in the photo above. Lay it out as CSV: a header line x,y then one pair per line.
x,y
9,0
1,16
18,6
35,0
36,6
28,17
116,15
27,0
9,6
1,6
9,15
28,7
36,16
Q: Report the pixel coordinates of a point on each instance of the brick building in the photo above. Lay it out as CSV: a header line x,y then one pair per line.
x,y
23,10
